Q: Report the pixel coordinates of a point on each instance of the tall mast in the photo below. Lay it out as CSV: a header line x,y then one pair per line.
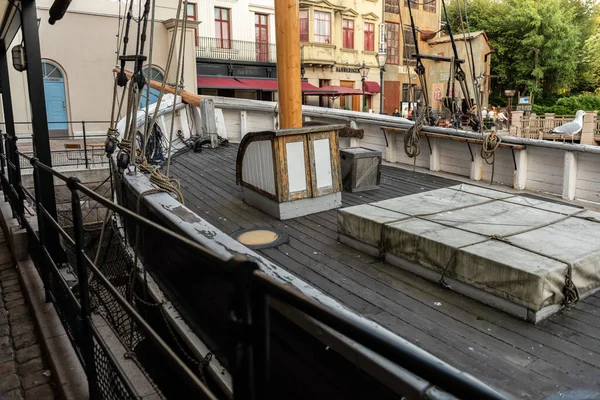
x,y
287,37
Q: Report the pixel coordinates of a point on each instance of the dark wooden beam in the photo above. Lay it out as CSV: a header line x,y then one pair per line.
x,y
39,122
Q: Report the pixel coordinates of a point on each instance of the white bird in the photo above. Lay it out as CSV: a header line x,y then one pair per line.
x,y
571,128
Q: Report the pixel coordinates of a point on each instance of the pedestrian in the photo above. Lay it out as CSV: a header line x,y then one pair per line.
x,y
484,113
410,113
494,115
396,113
501,119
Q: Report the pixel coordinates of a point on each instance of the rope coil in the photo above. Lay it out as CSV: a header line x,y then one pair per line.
x,y
488,151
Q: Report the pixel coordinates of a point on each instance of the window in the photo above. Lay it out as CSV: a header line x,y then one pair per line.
x,y
322,27
222,27
261,30
393,42
192,15
413,3
155,74
392,6
51,72
348,27
407,92
191,11
369,37
409,47
429,5
303,26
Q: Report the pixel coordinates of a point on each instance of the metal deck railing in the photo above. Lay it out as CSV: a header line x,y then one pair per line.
x,y
80,144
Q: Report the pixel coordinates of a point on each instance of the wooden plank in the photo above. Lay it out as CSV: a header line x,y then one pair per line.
x,y
500,326
524,359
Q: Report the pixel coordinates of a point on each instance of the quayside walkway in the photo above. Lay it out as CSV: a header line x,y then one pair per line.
x,y
23,370
529,361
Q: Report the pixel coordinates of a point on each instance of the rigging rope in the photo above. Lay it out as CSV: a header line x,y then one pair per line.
x,y
149,77
178,86
471,62
167,70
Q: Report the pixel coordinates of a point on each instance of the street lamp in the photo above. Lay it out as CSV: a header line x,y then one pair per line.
x,y
509,94
364,71
381,58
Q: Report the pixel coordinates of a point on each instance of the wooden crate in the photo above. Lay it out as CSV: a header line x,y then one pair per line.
x,y
361,169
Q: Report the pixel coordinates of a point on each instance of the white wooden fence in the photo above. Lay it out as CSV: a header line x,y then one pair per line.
x,y
539,126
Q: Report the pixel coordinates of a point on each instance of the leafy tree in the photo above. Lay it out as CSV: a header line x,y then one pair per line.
x,y
591,51
538,43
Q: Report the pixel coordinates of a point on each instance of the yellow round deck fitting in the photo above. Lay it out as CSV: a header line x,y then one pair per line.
x,y
261,238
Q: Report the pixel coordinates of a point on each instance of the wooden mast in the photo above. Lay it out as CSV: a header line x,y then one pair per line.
x,y
287,36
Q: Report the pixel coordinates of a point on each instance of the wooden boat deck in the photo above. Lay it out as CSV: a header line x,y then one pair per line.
x,y
560,354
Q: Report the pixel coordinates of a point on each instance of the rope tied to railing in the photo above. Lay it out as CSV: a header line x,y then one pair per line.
x,y
488,151
164,183
412,146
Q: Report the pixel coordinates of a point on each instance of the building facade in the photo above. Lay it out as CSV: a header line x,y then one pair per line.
x,y
337,37
401,88
236,43
401,83
439,72
79,55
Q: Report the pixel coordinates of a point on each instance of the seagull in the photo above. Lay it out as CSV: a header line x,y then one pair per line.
x,y
571,128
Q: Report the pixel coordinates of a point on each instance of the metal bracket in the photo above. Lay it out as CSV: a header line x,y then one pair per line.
x,y
471,151
514,159
429,144
386,139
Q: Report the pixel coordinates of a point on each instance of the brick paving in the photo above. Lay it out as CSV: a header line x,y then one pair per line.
x,y
23,371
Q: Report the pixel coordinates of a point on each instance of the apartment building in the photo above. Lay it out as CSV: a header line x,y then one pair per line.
x,y
337,38
79,55
236,53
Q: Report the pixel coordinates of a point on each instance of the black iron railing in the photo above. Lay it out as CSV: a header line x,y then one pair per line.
x,y
80,144
238,50
253,292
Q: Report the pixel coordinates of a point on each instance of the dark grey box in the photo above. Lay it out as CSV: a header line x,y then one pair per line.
x,y
361,169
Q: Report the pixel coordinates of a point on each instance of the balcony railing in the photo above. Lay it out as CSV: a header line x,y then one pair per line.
x,y
238,50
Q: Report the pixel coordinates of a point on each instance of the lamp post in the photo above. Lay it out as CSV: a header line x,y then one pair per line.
x,y
364,71
381,58
509,94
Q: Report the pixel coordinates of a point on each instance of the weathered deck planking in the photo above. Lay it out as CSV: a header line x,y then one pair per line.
x,y
562,353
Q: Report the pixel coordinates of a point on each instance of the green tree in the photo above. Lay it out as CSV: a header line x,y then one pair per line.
x,y
538,43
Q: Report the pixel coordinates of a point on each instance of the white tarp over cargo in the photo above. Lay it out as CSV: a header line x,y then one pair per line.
x,y
511,251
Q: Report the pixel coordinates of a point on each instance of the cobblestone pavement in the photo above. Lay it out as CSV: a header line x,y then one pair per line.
x,y
23,372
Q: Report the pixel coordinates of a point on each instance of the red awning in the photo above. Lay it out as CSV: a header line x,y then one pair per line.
x,y
266,85
220,83
372,87
270,85
342,90
311,90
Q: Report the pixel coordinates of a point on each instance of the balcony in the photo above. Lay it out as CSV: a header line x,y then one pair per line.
x,y
236,50
318,53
